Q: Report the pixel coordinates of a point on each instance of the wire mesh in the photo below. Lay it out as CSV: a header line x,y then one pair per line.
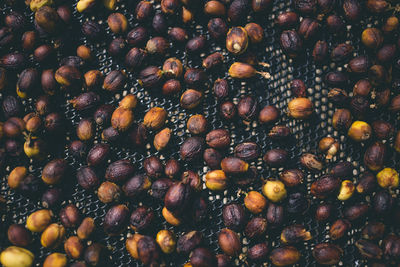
x,y
275,91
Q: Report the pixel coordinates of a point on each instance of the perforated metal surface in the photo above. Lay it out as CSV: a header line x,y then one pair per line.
x,y
275,91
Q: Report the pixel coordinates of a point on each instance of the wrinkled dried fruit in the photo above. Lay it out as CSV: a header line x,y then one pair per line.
x,y
373,230
202,257
229,242
192,148
325,186
255,202
16,256
256,227
166,240
189,241
388,178
300,108
294,234
368,249
276,157
292,177
275,191
247,151
291,43
18,235
38,220
339,228
346,190
327,253
234,165
86,228
219,138
116,219
285,256
237,40
119,171
70,216
360,131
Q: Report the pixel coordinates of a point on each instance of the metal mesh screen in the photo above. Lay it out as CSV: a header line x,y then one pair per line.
x,y
306,134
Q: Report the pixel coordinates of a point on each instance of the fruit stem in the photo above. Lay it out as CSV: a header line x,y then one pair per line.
x,y
265,75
